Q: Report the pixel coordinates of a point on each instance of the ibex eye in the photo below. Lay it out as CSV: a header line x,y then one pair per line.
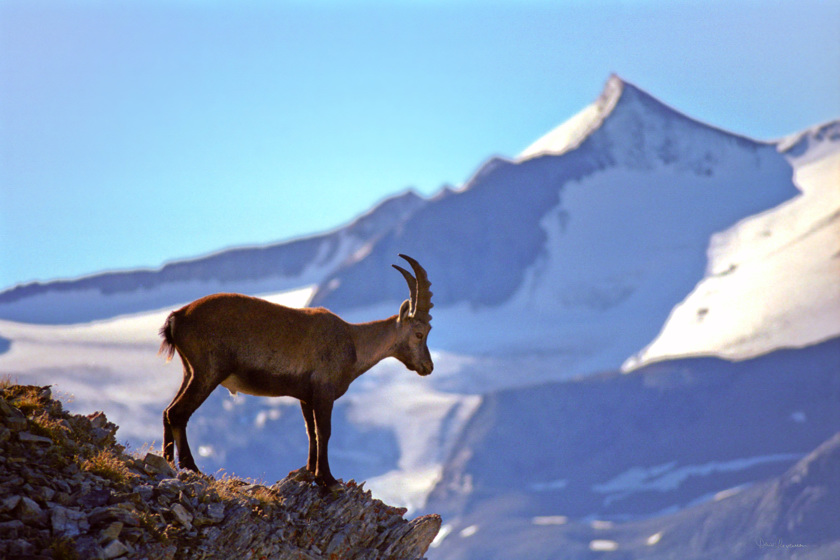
x,y
418,335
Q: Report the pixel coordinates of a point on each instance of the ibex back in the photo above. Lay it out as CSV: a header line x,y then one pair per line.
x,y
252,346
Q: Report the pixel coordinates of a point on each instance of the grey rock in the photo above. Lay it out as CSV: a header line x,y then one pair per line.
x,y
113,513
216,511
20,548
68,522
10,503
170,487
114,549
145,491
26,437
94,497
28,509
155,464
10,529
182,515
111,532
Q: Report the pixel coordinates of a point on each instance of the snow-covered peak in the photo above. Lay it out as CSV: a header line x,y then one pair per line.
x,y
571,133
811,144
627,126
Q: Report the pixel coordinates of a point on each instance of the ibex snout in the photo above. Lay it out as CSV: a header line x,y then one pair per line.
x,y
425,368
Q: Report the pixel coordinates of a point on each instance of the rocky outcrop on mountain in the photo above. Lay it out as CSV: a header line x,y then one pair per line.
x,y
69,490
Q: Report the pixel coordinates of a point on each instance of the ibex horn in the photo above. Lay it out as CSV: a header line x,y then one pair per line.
x,y
421,296
412,287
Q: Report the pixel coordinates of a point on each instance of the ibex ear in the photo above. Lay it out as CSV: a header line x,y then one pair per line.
x,y
405,310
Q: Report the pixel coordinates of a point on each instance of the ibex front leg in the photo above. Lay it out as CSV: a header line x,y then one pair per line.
x,y
309,418
323,425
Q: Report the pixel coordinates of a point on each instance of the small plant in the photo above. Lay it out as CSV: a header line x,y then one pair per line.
x,y
5,382
110,466
26,398
54,428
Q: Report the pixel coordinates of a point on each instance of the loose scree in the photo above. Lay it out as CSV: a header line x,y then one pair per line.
x,y
253,346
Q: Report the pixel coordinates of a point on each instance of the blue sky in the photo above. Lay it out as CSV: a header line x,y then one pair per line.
x,y
134,133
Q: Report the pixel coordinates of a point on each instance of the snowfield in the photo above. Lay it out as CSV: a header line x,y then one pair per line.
x,y
772,280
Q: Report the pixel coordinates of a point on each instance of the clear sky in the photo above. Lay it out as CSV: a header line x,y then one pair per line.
x,y
133,133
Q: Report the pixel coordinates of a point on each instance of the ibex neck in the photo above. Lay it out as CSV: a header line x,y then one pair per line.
x,y
374,342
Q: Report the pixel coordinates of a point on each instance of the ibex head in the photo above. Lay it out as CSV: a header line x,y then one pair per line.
x,y
414,320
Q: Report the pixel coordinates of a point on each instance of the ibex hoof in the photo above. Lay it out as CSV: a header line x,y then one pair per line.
x,y
328,482
190,467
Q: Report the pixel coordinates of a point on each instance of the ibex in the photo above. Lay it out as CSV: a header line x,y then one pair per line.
x,y
252,346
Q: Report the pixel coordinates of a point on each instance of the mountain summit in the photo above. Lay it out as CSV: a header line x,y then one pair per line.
x,y
635,129
584,242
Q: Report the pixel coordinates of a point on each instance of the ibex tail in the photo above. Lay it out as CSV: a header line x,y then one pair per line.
x,y
167,347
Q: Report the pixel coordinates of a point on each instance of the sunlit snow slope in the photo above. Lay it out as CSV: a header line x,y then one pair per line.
x,y
773,280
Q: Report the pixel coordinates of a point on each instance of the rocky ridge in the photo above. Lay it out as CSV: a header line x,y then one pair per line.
x,y
69,490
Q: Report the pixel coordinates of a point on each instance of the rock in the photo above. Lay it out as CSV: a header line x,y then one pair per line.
x,y
216,512
95,497
98,419
86,547
132,534
100,434
46,493
10,503
210,514
155,464
10,411
51,507
110,514
145,491
114,549
28,509
422,532
67,522
170,487
111,532
182,515
21,548
10,529
17,421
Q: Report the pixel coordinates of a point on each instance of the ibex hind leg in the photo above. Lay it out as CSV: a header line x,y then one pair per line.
x,y
178,414
168,440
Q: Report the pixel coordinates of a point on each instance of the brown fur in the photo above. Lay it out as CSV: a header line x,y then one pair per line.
x,y
250,345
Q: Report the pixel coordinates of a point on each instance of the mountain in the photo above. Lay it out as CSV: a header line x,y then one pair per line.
x,y
607,245
254,270
587,243
789,516
510,217
620,447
